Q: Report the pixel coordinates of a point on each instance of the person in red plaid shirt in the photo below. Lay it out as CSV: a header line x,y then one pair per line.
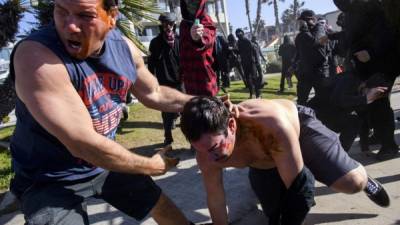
x,y
196,49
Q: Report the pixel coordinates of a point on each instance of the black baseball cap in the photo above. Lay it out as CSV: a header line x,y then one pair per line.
x,y
167,17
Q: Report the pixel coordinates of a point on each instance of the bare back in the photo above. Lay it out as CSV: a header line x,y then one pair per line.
x,y
256,139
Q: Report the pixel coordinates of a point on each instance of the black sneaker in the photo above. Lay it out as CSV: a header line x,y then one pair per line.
x,y
377,193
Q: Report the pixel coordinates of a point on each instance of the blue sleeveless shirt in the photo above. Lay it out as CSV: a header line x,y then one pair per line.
x,y
102,83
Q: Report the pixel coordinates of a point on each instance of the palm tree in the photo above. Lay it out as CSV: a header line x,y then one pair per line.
x,y
248,14
258,15
290,15
276,12
10,14
133,11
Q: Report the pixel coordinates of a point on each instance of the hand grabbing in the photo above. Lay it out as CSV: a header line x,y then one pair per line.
x,y
163,163
233,108
375,93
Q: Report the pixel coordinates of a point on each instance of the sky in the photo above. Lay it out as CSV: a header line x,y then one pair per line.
x,y
237,11
238,18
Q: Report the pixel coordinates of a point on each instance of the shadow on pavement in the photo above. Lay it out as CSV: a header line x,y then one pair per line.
x,y
322,218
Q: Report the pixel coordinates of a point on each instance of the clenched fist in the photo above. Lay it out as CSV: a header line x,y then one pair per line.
x,y
163,163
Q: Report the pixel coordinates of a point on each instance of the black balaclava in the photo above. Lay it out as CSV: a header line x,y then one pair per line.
x,y
286,40
239,33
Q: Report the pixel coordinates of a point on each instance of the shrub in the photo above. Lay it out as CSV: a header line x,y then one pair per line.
x,y
274,67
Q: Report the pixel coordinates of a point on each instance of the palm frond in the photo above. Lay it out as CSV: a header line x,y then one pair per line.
x,y
133,13
124,26
10,14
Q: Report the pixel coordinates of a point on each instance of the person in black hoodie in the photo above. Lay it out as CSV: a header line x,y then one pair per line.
x,y
312,59
371,52
164,64
287,51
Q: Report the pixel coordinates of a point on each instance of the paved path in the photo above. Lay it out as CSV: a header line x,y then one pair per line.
x,y
184,186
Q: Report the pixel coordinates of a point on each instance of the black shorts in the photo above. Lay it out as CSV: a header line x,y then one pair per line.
x,y
321,149
65,202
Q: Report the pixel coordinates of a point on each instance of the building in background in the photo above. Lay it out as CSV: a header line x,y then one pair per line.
x,y
331,18
151,29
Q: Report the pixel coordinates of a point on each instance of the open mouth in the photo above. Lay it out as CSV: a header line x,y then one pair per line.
x,y
74,44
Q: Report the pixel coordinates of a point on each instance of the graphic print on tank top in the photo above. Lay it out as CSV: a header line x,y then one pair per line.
x,y
103,93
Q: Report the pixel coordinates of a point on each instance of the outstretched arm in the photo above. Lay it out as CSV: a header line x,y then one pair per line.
x,y
150,93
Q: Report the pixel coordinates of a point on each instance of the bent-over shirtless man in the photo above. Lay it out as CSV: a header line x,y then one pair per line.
x,y
273,138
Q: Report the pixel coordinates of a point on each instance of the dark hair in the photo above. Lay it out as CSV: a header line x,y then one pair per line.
x,y
306,14
108,4
203,115
239,31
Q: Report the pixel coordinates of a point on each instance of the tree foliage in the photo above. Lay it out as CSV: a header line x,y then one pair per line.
x,y
276,13
11,13
290,15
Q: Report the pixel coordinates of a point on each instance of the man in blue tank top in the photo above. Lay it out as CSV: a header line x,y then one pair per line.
x,y
70,79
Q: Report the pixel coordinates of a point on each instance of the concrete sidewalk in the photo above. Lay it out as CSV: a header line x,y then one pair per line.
x,y
184,186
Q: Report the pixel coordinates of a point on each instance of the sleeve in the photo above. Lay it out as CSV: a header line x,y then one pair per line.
x,y
345,94
152,57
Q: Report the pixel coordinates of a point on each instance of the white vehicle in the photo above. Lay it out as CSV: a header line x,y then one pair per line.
x,y
5,53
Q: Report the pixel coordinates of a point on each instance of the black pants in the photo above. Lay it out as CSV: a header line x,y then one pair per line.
x,y
382,120
261,79
283,206
168,122
303,91
286,75
253,80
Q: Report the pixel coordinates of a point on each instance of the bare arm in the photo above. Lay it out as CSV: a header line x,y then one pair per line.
x,y
150,93
213,182
45,88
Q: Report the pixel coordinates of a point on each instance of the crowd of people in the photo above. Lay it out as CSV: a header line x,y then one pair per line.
x,y
351,98
73,76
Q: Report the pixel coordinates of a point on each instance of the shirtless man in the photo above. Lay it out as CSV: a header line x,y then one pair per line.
x,y
273,138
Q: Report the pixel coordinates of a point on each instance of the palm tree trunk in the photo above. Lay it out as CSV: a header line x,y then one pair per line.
x,y
277,24
248,15
258,17
295,14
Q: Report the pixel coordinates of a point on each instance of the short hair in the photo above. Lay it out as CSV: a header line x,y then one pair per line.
x,y
108,4
202,115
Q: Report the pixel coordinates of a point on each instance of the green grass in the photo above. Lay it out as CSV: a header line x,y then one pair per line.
x,y
5,159
143,130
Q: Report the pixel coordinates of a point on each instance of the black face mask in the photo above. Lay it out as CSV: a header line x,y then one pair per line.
x,y
239,35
